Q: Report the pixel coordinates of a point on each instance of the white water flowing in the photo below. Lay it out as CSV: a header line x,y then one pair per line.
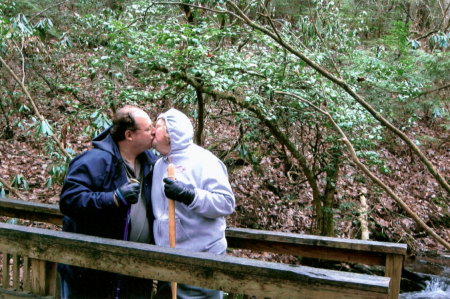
x,y
437,288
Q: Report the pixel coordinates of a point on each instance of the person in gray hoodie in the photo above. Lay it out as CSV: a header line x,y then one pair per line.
x,y
201,191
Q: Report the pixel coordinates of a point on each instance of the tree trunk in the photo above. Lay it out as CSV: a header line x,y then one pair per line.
x,y
362,217
326,222
200,118
8,132
445,6
413,8
116,5
188,12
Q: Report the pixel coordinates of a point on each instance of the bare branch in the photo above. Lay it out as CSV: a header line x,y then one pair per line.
x,y
427,34
324,44
20,49
50,7
432,90
190,5
36,111
11,189
444,16
271,23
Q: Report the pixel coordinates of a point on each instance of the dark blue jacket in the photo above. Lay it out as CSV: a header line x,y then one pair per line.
x,y
86,198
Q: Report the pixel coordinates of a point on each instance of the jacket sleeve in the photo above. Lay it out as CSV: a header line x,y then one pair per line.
x,y
83,192
213,196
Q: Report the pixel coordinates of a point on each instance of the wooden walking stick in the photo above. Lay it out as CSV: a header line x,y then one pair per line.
x,y
172,228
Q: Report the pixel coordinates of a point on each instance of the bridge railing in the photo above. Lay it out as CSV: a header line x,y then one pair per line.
x,y
228,273
390,255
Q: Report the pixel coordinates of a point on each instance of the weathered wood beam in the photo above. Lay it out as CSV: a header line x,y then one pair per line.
x,y
10,294
310,251
232,274
31,211
5,270
328,248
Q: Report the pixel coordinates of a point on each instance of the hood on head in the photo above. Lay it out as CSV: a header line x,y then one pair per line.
x,y
179,128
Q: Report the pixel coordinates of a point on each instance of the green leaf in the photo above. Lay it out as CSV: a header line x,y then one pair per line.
x,y
49,183
44,129
12,221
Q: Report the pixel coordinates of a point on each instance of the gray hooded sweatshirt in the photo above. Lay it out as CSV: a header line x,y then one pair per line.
x,y
200,226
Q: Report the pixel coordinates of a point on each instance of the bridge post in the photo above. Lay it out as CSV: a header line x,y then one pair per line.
x,y
394,266
16,272
26,274
43,278
5,270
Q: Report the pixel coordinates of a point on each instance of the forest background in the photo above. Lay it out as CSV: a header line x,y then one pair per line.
x,y
331,116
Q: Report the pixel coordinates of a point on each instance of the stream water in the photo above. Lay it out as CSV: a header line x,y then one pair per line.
x,y
433,274
436,288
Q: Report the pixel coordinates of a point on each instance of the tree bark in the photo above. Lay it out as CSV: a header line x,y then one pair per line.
x,y
362,217
327,227
188,13
445,6
200,118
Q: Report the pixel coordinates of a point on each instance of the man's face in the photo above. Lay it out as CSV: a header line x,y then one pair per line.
x,y
142,136
161,139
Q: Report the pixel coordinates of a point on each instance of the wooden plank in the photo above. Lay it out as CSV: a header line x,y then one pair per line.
x,y
394,266
316,241
31,211
312,251
9,294
43,277
52,279
5,270
57,281
16,271
226,273
26,274
38,281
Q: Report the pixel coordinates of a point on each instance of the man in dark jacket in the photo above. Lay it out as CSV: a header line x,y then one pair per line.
x,y
106,193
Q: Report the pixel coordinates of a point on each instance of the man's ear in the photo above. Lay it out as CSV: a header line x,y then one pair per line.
x,y
128,134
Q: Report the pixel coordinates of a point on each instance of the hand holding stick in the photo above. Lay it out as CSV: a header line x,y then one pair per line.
x,y
172,228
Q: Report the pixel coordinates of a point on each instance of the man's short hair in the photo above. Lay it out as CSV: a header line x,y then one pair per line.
x,y
123,120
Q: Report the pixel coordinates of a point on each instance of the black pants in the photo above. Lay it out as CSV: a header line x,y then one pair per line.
x,y
185,291
106,285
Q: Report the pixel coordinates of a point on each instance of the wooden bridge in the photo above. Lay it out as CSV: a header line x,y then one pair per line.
x,y
29,257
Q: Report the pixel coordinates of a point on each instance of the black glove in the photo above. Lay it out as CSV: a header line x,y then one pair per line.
x,y
128,193
179,191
